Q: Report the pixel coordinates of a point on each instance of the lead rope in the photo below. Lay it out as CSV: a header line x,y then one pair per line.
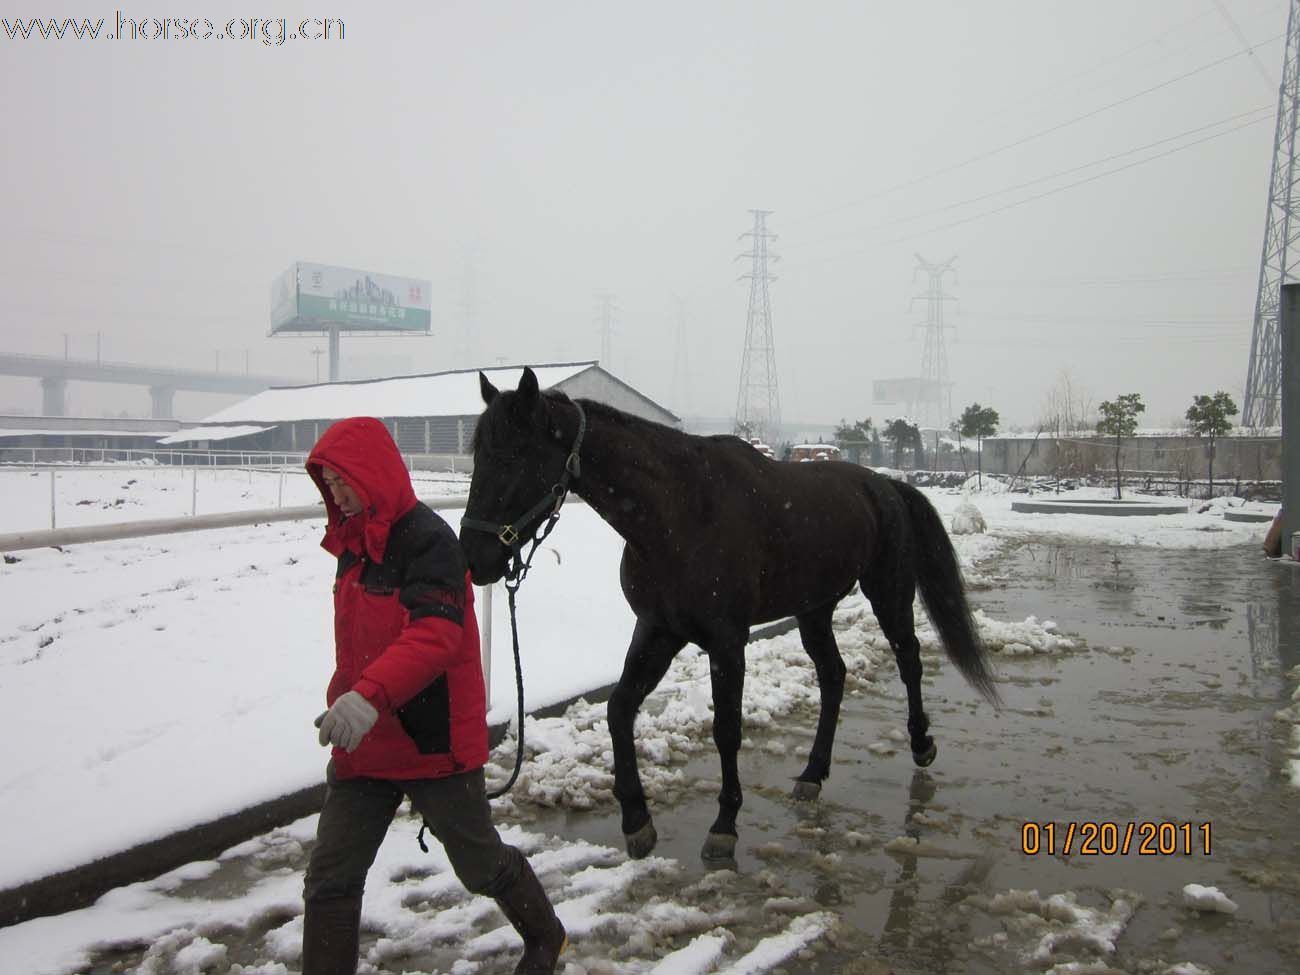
x,y
514,578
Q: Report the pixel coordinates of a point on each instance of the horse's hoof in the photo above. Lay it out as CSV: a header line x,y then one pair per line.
x,y
806,791
719,852
640,843
924,758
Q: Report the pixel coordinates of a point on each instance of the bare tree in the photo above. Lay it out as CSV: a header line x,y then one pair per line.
x,y
1066,410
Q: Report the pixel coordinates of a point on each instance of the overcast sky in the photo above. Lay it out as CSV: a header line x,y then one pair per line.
x,y
526,157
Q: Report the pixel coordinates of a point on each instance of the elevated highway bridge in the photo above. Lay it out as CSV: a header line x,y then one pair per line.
x,y
55,373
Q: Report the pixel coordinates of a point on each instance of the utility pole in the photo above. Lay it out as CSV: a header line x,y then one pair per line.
x,y
317,352
1278,261
605,327
933,404
758,401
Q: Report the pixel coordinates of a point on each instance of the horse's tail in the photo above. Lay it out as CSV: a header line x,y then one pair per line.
x,y
939,577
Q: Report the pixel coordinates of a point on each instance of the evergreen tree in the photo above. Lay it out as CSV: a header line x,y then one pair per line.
x,y
1119,420
901,436
979,422
1208,416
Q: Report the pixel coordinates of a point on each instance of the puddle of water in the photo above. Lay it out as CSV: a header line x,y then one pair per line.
x,y
1165,718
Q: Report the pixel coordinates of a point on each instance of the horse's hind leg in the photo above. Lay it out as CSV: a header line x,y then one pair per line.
x,y
727,673
819,641
651,652
892,603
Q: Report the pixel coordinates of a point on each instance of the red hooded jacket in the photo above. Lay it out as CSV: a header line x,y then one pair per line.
x,y
405,633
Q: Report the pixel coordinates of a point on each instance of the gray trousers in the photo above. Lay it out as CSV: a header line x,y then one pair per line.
x,y
358,812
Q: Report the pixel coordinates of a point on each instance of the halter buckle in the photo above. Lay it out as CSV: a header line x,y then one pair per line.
x,y
508,536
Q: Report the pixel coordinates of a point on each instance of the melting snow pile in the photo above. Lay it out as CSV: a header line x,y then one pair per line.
x,y
1057,930
615,919
1208,899
967,520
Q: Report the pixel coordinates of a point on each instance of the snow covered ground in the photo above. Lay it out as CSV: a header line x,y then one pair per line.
x,y
173,679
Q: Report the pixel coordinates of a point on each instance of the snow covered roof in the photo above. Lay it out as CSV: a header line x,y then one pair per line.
x,y
212,433
56,432
435,394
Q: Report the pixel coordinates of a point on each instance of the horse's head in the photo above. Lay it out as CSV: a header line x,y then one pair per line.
x,y
519,460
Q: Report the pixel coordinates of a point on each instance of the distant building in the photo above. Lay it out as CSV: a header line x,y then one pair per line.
x,y
70,438
432,416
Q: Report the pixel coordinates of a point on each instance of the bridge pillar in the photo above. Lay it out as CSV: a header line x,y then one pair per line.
x,y
163,399
54,396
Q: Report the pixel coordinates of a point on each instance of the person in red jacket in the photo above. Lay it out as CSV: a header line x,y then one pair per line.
x,y
407,712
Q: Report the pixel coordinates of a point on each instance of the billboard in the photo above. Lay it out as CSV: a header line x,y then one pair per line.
x,y
318,297
907,392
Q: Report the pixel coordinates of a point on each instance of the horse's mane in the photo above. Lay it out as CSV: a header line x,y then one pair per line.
x,y
666,440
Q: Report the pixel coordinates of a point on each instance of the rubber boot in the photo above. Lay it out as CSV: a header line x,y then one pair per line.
x,y
529,910
331,936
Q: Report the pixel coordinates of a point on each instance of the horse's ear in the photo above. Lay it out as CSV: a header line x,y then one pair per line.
x,y
528,392
488,391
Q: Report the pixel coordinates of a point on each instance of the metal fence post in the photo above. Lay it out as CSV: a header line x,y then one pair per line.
x,y
194,496
52,500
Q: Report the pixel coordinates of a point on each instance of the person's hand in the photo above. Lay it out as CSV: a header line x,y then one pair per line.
x,y
346,723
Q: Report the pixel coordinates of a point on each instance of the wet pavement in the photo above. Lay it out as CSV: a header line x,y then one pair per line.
x,y
1162,716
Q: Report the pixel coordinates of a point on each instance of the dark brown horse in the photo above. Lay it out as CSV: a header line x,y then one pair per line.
x,y
718,538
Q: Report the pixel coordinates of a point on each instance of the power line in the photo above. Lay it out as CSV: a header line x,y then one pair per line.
x,y
1050,176
1245,44
1062,82
979,157
1029,199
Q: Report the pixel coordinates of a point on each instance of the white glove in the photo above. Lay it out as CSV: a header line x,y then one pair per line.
x,y
346,723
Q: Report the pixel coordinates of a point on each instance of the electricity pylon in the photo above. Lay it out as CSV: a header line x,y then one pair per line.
x,y
1263,406
933,404
758,402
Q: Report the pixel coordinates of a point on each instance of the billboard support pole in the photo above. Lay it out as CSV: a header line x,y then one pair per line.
x,y
334,353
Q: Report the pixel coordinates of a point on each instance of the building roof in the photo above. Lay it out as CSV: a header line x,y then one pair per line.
x,y
453,393
57,432
191,434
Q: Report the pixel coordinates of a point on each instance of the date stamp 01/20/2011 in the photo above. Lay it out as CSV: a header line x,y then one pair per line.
x,y
1102,838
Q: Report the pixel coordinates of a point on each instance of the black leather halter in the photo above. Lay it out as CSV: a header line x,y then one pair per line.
x,y
511,534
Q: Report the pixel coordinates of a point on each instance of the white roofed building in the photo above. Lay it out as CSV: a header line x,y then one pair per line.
x,y
431,415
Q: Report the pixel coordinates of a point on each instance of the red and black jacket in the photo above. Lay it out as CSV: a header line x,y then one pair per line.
x,y
405,633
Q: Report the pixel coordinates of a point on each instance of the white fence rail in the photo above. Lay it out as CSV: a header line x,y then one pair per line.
x,y
17,541
42,458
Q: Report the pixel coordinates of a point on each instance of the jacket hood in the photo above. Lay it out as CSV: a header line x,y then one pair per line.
x,y
362,452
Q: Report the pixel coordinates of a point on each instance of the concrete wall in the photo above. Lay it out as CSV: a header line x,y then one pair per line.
x,y
1253,458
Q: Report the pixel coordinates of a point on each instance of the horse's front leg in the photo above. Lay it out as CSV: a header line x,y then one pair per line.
x,y
648,657
727,670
